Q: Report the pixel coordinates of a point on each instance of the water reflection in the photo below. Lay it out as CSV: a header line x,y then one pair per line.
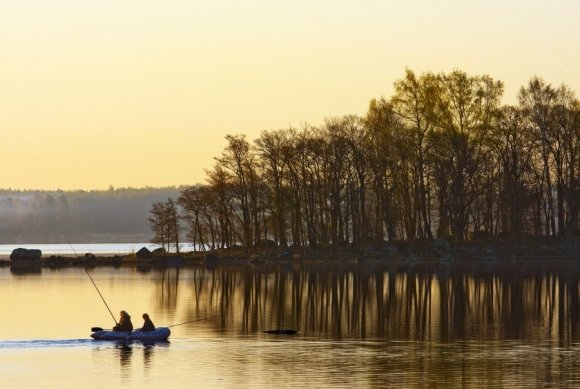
x,y
25,268
168,285
415,303
125,352
147,354
485,324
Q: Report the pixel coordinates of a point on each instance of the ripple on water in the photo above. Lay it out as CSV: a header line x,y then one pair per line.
x,y
44,343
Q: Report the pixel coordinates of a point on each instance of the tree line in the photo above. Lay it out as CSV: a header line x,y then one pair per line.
x,y
440,158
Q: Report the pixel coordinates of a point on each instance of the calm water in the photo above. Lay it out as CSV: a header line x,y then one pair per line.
x,y
419,326
82,248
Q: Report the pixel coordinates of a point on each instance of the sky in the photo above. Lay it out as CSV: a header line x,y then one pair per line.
x,y
138,93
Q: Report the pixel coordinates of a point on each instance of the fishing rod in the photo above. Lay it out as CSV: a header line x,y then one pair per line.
x,y
193,321
95,329
91,278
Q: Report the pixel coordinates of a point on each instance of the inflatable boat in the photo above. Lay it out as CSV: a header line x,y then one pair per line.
x,y
160,334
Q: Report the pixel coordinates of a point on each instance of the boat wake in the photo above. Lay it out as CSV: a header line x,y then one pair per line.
x,y
44,343
64,343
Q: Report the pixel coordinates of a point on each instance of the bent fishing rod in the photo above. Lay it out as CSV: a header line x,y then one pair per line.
x,y
95,329
91,278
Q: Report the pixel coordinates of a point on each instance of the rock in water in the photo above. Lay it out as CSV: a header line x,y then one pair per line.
x,y
281,332
159,251
21,254
144,253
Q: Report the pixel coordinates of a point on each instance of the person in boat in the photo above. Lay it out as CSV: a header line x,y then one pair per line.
x,y
124,324
148,325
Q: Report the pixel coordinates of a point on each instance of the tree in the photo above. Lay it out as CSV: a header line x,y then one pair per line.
x,y
564,147
466,109
415,101
238,160
272,147
537,101
512,150
382,124
222,204
440,156
164,222
192,204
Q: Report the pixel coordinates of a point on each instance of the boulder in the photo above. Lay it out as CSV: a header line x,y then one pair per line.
x,y
116,261
266,244
89,260
21,254
159,251
144,253
55,261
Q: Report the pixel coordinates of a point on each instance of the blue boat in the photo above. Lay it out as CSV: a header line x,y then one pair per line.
x,y
160,334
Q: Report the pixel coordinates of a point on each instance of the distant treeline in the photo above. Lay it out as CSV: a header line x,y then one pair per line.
x,y
112,216
440,158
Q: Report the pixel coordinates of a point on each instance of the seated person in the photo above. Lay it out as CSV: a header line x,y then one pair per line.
x,y
124,324
148,325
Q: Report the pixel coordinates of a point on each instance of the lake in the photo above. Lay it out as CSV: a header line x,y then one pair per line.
x,y
417,325
82,248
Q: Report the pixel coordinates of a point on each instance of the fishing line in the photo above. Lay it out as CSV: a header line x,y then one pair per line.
x,y
193,321
91,278
94,329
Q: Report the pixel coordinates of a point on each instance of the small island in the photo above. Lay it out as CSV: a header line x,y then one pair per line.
x,y
437,251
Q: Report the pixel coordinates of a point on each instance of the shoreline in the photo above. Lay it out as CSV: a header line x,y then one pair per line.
x,y
435,251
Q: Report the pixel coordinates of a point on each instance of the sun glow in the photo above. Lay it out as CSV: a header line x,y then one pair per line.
x,y
139,93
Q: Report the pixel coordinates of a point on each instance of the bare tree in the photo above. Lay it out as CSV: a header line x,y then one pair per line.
x,y
164,222
272,148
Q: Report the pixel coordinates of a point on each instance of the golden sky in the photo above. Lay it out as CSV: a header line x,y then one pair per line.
x,y
142,92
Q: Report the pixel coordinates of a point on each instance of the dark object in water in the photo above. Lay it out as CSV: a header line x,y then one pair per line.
x,y
281,332
144,253
159,334
21,254
25,267
24,261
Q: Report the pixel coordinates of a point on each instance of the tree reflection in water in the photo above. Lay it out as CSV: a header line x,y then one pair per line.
x,y
419,302
167,281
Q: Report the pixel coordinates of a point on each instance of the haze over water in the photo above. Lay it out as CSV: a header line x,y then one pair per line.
x,y
360,326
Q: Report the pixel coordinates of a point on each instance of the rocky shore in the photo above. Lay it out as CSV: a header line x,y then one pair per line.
x,y
435,251
31,259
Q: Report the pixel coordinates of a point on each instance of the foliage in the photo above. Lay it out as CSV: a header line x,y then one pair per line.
x,y
440,158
